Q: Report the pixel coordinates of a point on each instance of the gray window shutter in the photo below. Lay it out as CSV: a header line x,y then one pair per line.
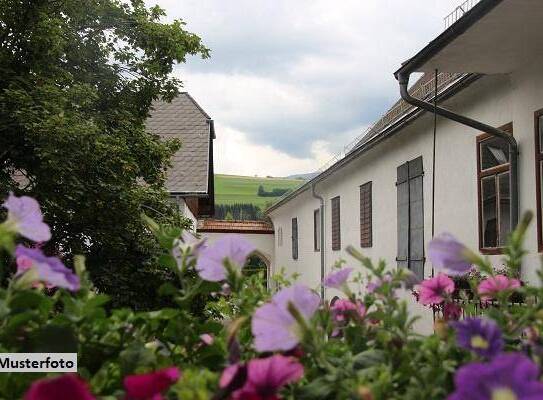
x,y
411,216
402,185
416,218
294,238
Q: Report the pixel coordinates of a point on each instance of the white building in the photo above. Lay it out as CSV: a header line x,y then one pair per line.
x,y
386,196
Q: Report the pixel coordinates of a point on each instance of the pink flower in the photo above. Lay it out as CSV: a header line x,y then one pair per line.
x,y
343,309
150,386
491,286
67,386
337,278
266,376
25,218
433,290
273,326
207,339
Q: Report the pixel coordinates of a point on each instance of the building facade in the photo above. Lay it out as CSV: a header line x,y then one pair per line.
x,y
418,173
190,177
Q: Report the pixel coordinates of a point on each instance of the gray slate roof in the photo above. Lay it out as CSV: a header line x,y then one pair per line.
x,y
185,120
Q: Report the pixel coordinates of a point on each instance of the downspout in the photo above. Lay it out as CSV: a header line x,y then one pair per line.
x,y
321,214
403,80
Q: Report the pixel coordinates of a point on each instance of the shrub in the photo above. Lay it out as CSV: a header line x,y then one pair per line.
x,y
224,336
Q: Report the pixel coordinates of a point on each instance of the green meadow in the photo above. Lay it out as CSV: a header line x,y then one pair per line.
x,y
232,189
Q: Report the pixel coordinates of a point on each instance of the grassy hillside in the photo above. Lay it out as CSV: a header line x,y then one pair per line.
x,y
231,189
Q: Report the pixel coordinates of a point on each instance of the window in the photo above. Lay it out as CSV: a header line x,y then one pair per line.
x,y
317,230
365,215
336,225
294,238
411,216
493,192
279,237
539,174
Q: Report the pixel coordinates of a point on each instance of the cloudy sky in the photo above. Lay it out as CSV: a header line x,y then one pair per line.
x,y
290,82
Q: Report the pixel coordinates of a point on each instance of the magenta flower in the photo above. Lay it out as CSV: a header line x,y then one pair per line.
x,y
150,386
343,309
448,254
434,290
273,326
25,218
511,376
452,312
50,270
234,248
490,287
479,335
67,386
336,279
266,376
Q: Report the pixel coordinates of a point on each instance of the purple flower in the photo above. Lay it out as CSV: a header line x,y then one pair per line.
x,y
375,285
188,246
511,376
50,270
67,386
433,290
266,376
482,336
448,254
337,279
150,386
210,264
273,326
25,218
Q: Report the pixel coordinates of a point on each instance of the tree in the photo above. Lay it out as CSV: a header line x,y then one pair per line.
x,y
78,79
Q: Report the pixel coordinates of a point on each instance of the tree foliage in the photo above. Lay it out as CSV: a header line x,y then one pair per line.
x,y
78,79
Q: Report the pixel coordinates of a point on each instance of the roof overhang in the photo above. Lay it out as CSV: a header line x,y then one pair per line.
x,y
494,37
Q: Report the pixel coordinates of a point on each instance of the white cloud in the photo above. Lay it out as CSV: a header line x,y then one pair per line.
x,y
234,154
293,80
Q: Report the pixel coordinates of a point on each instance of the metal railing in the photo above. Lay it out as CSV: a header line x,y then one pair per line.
x,y
459,11
424,91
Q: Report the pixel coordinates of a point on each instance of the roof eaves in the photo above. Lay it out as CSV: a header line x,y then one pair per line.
x,y
411,115
435,46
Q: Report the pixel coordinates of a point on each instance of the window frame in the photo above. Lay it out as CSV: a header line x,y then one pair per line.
x,y
538,176
336,241
481,174
316,230
367,223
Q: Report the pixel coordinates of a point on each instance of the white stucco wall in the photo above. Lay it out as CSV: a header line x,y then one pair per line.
x,y
496,100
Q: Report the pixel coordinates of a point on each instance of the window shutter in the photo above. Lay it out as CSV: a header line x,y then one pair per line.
x,y
402,185
416,218
294,238
411,216
365,215
316,229
336,226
